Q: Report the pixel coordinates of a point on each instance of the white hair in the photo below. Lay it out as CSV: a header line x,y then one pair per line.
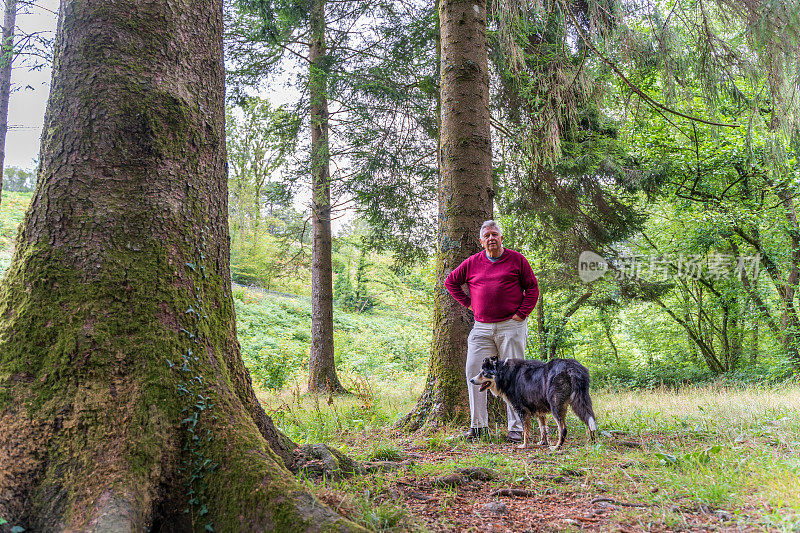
x,y
490,224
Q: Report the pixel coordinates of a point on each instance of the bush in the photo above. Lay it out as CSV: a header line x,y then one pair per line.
x,y
272,369
672,375
350,298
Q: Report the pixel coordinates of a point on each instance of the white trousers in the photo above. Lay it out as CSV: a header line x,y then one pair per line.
x,y
505,339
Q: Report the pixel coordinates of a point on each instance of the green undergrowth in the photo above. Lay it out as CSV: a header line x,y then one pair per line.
x,y
12,211
309,418
371,349
770,370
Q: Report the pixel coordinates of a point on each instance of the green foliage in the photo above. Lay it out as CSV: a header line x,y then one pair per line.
x,y
386,452
270,348
623,174
688,460
274,334
265,229
12,211
257,264
379,65
343,285
353,298
18,180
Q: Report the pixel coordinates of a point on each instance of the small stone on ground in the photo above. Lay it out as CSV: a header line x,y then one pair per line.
x,y
495,507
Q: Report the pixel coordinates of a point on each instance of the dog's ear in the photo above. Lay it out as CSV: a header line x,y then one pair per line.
x,y
494,359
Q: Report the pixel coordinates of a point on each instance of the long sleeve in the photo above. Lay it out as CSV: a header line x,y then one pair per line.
x,y
530,285
455,280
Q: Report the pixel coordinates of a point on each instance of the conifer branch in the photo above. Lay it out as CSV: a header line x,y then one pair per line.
x,y
633,87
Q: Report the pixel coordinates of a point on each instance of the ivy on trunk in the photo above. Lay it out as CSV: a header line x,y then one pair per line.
x,y
124,402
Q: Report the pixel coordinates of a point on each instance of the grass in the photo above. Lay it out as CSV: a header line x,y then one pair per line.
x,y
370,409
756,433
713,457
12,211
371,349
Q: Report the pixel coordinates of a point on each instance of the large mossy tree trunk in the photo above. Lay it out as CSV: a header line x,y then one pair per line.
x,y
321,367
123,397
6,63
465,201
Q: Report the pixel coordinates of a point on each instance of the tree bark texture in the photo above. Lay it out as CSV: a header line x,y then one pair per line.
x,y
124,402
754,341
465,201
321,367
6,63
541,328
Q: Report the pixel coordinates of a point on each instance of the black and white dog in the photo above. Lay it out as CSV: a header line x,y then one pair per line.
x,y
535,388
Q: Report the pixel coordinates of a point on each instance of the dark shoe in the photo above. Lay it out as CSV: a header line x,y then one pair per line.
x,y
475,434
514,436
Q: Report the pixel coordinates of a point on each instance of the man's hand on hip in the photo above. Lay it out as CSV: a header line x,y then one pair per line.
x,y
517,318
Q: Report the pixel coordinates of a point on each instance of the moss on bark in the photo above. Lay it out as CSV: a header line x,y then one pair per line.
x,y
123,397
465,201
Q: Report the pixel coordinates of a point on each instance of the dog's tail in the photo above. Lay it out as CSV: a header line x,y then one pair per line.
x,y
581,401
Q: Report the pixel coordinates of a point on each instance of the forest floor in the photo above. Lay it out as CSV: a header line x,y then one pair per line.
x,y
699,460
542,494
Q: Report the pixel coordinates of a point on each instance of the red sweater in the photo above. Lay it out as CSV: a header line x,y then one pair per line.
x,y
497,289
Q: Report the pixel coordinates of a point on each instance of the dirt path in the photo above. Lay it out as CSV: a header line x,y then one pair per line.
x,y
549,496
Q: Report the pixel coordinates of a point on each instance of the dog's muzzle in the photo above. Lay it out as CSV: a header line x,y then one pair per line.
x,y
484,384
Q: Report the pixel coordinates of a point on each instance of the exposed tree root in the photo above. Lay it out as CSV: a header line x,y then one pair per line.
x,y
621,504
514,492
318,460
427,413
119,436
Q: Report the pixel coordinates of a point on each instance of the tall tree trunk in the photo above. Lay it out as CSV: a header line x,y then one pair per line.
x,y
754,341
791,334
785,283
123,396
790,319
736,334
542,329
465,201
607,326
6,63
725,339
321,367
257,215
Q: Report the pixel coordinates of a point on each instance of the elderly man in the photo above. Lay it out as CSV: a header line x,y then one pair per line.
x,y
502,293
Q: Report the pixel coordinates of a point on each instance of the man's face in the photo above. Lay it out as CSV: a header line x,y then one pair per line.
x,y
491,240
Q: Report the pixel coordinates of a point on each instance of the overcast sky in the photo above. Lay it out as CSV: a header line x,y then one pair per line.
x,y
27,105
